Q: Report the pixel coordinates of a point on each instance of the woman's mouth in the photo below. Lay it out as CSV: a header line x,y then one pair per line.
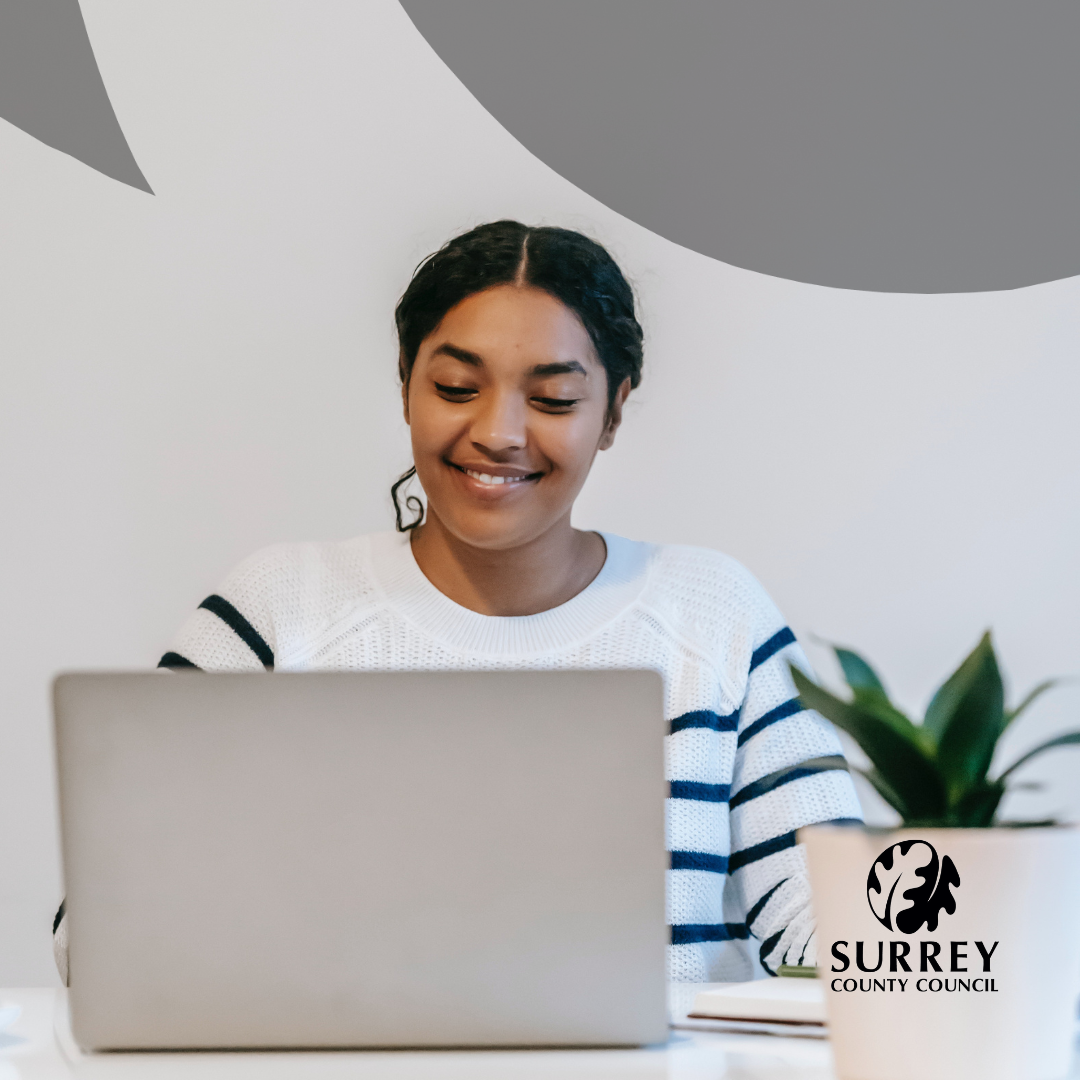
x,y
494,479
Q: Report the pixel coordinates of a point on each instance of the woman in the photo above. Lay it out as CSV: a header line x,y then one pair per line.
x,y
519,347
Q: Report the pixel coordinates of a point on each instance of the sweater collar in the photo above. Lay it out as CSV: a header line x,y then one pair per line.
x,y
412,595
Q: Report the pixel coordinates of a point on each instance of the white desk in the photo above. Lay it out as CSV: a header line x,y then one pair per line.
x,y
38,1046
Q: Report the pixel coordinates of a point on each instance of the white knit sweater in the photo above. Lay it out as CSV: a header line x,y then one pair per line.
x,y
747,765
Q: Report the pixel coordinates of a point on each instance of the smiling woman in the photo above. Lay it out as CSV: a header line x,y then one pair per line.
x,y
519,347
504,433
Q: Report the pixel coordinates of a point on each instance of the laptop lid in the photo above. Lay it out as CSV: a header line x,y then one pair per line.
x,y
363,859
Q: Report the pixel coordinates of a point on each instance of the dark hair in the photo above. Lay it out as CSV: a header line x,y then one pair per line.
x,y
566,264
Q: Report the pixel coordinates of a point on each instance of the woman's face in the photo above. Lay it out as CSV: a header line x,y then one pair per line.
x,y
507,402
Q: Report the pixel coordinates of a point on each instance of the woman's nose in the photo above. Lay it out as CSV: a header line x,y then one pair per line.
x,y
500,425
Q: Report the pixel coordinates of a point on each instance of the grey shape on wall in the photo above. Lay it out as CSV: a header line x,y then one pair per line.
x,y
915,146
50,87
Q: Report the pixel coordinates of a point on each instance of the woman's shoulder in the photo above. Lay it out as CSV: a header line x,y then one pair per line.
x,y
710,599
699,576
291,593
283,571
706,566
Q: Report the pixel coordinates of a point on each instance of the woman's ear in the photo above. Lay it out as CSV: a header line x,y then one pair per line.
x,y
614,416
405,400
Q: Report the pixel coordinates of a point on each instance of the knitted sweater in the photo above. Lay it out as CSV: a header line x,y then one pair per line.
x,y
746,763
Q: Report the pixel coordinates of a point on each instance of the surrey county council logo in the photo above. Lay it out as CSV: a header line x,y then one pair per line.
x,y
909,885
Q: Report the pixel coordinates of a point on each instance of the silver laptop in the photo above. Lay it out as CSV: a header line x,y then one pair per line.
x,y
363,859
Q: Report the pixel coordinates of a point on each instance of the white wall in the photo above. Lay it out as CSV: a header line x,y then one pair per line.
x,y
190,376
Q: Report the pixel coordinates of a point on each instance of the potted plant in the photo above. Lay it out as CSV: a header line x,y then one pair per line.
x,y
949,947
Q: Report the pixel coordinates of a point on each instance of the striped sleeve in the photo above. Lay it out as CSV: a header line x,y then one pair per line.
x,y
233,628
789,772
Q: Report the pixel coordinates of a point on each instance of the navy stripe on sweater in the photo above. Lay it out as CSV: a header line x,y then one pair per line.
x,y
759,907
831,763
175,660
739,859
781,712
691,789
699,860
767,947
706,718
778,641
241,627
695,933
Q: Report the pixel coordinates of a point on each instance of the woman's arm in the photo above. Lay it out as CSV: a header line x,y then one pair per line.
x,y
789,772
233,628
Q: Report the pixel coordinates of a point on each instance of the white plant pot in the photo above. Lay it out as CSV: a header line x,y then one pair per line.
x,y
1009,1017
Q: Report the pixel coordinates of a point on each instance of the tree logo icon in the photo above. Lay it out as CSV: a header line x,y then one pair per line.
x,y
909,885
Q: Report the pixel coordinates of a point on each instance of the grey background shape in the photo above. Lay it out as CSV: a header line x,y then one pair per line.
x,y
902,147
50,86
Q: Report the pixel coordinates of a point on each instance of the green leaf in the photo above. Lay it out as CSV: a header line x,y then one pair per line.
x,y
882,787
858,674
877,705
1072,739
967,717
1039,690
943,704
976,809
891,742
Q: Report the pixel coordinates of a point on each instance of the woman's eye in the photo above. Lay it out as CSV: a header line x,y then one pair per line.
x,y
455,392
561,404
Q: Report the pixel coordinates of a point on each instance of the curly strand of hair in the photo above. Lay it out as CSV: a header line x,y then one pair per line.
x,y
412,503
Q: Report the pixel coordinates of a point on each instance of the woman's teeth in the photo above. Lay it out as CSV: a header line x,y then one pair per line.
x,y
484,478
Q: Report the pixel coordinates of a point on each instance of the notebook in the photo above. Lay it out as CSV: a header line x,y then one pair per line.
x,y
769,1006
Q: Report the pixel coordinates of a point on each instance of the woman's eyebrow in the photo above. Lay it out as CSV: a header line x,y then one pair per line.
x,y
466,357
561,367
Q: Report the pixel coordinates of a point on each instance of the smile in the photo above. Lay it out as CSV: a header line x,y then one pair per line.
x,y
484,478
491,480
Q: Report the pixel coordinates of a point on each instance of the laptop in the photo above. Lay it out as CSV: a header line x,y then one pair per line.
x,y
363,859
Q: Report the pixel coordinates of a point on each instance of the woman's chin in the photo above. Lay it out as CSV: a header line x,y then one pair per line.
x,y
492,530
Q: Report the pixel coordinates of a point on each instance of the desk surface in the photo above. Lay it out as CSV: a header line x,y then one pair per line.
x,y
38,1046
